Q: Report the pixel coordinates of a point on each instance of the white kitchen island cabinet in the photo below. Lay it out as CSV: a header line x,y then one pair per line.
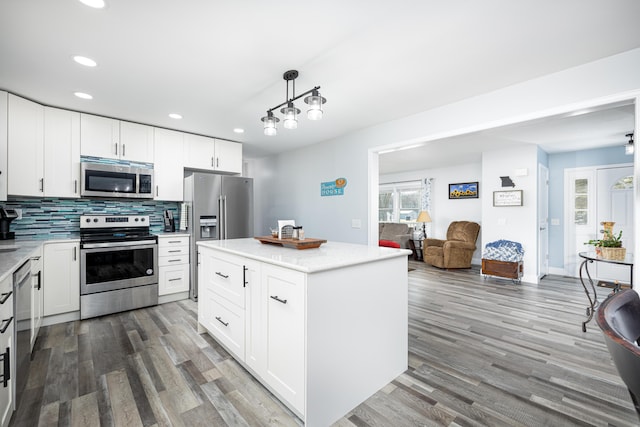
x,y
323,329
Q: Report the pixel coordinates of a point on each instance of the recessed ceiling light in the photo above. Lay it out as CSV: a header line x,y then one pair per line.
x,y
83,95
175,116
83,60
98,4
238,130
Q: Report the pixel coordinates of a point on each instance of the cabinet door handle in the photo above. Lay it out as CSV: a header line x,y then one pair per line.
x,y
42,185
275,297
219,319
74,253
156,191
116,144
211,161
217,162
5,324
222,275
6,367
5,297
123,152
244,276
75,186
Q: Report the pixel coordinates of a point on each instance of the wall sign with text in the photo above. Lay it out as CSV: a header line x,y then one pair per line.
x,y
333,188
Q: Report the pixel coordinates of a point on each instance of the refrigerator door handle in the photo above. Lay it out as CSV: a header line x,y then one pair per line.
x,y
221,219
225,216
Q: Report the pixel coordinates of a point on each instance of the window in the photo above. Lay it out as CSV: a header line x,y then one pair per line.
x,y
581,201
399,202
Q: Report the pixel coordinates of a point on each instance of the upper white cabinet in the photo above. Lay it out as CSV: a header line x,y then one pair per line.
x,y
207,153
3,146
167,164
115,139
61,153
25,147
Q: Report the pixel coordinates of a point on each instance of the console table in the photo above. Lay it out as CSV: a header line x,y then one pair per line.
x,y
590,257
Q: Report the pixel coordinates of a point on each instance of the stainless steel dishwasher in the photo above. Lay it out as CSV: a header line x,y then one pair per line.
x,y
22,310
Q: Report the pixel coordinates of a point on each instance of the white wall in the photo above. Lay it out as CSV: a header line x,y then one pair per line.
x,y
516,223
299,172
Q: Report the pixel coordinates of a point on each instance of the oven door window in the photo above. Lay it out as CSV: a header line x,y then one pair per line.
x,y
116,268
119,182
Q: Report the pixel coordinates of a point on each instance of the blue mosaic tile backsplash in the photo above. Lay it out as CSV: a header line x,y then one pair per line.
x,y
52,218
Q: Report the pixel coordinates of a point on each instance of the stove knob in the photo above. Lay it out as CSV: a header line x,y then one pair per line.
x,y
95,219
88,220
136,220
142,219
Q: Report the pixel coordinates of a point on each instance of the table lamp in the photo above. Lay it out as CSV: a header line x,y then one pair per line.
x,y
424,217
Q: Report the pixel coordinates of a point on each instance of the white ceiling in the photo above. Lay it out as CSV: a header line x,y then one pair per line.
x,y
220,63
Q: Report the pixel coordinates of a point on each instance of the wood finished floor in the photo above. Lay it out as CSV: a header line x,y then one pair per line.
x,y
481,352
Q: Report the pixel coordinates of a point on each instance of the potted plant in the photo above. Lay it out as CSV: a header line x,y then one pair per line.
x,y
610,246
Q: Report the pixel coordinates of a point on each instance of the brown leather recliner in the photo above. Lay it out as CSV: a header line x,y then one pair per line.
x,y
457,250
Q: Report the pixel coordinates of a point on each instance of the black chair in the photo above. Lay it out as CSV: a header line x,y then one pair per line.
x,y
619,319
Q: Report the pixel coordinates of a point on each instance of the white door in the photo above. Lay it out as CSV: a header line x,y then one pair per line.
x,y
615,203
580,215
543,221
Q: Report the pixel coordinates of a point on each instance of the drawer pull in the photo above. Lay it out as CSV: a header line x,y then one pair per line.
x,y
5,324
174,241
6,368
173,260
219,319
275,297
173,280
5,297
177,250
222,275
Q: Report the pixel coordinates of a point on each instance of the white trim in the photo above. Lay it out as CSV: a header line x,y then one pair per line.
x,y
374,188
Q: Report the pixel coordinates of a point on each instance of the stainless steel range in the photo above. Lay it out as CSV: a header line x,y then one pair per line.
x,y
118,264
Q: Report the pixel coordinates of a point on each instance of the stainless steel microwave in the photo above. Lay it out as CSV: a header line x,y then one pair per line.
x,y
106,180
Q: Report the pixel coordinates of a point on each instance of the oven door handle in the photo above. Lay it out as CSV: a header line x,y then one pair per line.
x,y
118,244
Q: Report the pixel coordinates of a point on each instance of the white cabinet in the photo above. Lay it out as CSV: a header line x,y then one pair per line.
x,y
284,343
7,364
61,277
61,153
114,139
228,156
37,297
207,153
3,146
25,147
168,168
173,264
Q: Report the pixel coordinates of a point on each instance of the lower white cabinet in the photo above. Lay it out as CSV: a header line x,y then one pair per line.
x,y
173,264
61,278
7,364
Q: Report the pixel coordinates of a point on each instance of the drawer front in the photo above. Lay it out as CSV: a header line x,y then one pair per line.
x,y
168,261
227,279
173,241
173,279
172,250
225,322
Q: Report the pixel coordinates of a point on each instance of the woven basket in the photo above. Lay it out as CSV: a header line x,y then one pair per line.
x,y
617,254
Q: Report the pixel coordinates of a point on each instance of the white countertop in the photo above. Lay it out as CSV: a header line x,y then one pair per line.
x,y
330,255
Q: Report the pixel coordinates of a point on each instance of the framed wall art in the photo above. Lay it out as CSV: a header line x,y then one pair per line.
x,y
507,198
463,190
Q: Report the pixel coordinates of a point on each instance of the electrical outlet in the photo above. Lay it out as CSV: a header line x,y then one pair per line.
x,y
19,212
356,223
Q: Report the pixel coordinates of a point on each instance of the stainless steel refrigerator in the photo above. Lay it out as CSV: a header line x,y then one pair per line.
x,y
218,207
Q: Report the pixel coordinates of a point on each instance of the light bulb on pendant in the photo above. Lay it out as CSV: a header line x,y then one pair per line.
x,y
315,102
270,124
290,116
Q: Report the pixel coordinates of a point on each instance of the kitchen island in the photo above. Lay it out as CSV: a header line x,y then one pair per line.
x,y
322,328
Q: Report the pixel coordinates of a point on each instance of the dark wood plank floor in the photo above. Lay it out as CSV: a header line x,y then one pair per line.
x,y
481,352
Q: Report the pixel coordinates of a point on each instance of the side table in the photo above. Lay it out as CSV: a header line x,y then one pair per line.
x,y
416,247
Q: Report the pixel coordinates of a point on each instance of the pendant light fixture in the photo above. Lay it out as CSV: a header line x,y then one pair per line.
x,y
628,149
289,110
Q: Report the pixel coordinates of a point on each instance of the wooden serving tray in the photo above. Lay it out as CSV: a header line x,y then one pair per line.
x,y
307,243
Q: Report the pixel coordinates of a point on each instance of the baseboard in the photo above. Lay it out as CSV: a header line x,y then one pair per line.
x,y
557,271
60,318
163,299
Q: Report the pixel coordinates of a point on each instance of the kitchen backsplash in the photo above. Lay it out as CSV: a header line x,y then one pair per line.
x,y
52,218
